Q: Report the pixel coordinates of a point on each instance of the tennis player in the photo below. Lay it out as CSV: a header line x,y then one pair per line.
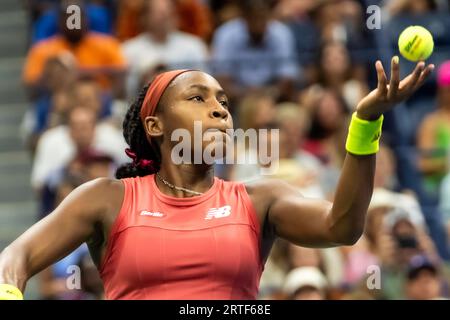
x,y
167,231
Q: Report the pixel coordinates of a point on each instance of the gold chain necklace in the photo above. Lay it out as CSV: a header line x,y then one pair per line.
x,y
171,186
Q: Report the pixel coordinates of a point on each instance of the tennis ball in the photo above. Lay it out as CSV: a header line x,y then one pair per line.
x,y
415,43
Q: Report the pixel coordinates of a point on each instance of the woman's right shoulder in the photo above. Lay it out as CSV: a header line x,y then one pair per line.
x,y
106,186
101,194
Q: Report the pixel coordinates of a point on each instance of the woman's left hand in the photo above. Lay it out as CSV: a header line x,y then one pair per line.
x,y
387,95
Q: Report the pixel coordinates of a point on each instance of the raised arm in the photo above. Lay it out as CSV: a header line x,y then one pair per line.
x,y
62,231
320,223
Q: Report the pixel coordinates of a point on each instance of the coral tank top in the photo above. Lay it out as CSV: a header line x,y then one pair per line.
x,y
202,247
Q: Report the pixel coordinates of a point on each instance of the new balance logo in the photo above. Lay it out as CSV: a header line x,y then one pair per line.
x,y
152,214
221,212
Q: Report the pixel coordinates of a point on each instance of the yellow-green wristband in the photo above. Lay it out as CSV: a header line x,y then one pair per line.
x,y
10,292
364,136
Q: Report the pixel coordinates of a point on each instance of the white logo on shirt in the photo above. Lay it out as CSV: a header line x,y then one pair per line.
x,y
221,212
152,214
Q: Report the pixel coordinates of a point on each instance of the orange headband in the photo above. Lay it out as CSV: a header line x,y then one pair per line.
x,y
156,90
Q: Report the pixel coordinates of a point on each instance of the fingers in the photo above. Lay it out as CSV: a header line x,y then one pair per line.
x,y
410,81
424,75
382,80
395,78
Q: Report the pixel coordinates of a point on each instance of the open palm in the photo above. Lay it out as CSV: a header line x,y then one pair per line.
x,y
387,95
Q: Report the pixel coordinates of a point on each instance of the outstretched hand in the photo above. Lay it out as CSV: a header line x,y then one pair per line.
x,y
387,95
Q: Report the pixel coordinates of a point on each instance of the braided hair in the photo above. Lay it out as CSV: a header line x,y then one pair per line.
x,y
142,151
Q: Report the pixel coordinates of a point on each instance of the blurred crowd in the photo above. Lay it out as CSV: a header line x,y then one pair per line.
x,y
298,66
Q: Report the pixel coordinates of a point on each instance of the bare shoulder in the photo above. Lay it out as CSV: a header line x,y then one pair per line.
x,y
101,187
99,196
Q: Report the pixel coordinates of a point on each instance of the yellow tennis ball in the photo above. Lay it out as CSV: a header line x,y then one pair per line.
x,y
415,43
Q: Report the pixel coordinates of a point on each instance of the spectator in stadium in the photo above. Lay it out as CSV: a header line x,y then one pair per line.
x,y
395,230
257,110
59,145
96,165
82,91
98,17
289,10
329,261
328,118
385,172
127,21
161,43
423,279
97,55
87,93
433,136
296,15
194,17
304,257
339,73
87,165
344,22
64,93
329,115
399,239
444,202
305,283
397,7
276,283
295,165
255,51
35,8
365,253
275,270
224,11
356,261
316,24
59,75
409,238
